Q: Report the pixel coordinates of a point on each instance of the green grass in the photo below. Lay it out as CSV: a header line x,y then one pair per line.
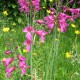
x,y
61,68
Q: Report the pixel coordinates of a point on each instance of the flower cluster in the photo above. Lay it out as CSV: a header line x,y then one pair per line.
x,y
50,21
75,12
6,63
35,3
41,34
24,5
61,18
22,65
29,32
62,21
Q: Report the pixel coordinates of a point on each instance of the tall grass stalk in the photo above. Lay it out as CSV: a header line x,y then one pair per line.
x,y
54,54
50,54
32,24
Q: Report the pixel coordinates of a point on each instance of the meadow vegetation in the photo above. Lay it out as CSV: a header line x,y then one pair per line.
x,y
40,40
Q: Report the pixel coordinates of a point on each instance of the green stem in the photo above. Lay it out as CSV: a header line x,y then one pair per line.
x,y
31,62
76,44
54,57
32,50
50,54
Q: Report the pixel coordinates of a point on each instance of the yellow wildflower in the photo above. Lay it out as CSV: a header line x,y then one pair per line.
x,y
6,29
50,0
3,59
73,25
58,29
77,32
44,7
5,13
48,11
68,55
24,50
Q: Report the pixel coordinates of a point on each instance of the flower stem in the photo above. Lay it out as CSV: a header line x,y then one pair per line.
x,y
53,64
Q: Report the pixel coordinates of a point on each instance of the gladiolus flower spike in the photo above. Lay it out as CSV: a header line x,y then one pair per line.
x,y
22,64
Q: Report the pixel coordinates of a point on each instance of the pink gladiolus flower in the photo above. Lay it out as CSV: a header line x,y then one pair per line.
x,y
28,43
28,29
36,3
75,12
28,36
24,5
40,22
7,61
8,52
49,20
62,25
63,16
71,10
64,8
41,34
21,58
22,64
52,11
9,71
62,21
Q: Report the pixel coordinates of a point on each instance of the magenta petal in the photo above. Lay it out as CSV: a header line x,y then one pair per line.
x,y
7,61
36,3
40,22
42,39
28,47
23,71
23,5
27,66
8,52
62,21
27,42
9,71
28,29
49,21
41,34
28,36
22,65
21,57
